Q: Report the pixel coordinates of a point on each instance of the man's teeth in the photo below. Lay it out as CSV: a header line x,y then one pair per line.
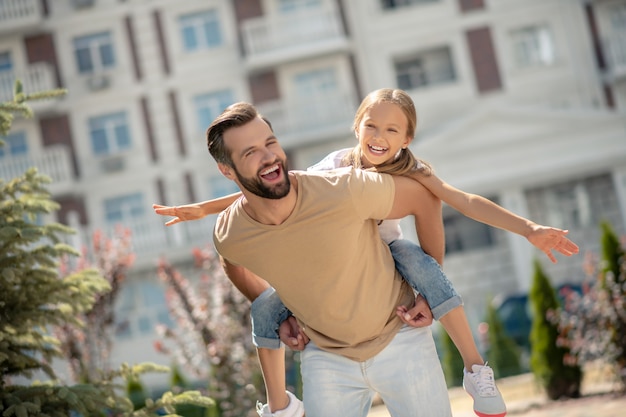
x,y
270,170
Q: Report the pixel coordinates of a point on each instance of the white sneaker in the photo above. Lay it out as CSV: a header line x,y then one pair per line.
x,y
294,409
481,385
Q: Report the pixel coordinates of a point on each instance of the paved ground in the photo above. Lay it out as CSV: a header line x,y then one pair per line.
x,y
601,398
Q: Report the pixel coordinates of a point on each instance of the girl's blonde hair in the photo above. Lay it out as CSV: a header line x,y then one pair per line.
x,y
405,163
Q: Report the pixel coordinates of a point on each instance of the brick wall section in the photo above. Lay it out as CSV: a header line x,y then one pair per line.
x,y
161,191
132,45
69,204
191,194
471,5
40,48
263,87
247,9
482,52
147,121
158,26
178,127
55,130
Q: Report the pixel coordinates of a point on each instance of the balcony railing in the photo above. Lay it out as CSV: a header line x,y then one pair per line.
x,y
267,35
37,77
54,161
18,14
150,238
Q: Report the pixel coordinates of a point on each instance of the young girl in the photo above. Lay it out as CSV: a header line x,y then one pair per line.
x,y
385,125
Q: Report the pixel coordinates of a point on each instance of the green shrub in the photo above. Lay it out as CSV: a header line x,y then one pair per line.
x,y
546,356
503,354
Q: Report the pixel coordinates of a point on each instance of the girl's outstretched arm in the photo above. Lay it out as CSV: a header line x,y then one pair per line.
x,y
485,211
195,211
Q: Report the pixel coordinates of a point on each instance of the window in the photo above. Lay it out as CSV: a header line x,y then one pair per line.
x,y
94,52
221,186
124,209
141,306
464,234
394,4
15,144
618,17
297,5
318,98
109,133
533,46
7,78
574,204
209,106
6,64
200,30
426,68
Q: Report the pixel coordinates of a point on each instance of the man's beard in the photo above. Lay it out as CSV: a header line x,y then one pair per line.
x,y
256,186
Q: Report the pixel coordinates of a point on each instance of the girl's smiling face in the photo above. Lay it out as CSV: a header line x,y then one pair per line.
x,y
382,133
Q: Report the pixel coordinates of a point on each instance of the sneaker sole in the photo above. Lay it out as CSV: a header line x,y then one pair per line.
x,y
479,414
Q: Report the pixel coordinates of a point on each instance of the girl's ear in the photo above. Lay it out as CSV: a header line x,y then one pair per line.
x,y
226,170
407,142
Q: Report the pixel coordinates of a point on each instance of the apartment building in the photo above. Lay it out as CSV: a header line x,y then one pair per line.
x,y
522,101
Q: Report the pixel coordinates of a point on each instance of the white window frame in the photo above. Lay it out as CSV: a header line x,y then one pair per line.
x,y
533,46
109,123
426,68
211,103
199,22
94,43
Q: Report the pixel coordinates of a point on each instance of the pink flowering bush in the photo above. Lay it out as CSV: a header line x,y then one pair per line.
x,y
593,324
87,348
211,337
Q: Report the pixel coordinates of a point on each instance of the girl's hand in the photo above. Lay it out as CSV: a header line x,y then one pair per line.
x,y
180,213
292,335
548,239
417,316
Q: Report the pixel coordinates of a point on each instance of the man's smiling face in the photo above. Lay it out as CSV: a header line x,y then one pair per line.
x,y
259,163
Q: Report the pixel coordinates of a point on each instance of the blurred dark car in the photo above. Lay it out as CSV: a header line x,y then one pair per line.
x,y
515,313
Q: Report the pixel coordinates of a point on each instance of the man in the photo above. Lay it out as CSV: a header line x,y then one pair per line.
x,y
314,238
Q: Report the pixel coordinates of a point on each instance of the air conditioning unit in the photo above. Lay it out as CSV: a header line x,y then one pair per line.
x,y
114,163
82,4
97,82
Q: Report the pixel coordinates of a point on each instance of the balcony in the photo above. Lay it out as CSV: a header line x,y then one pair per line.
x,y
54,161
305,121
615,53
19,15
151,239
36,78
270,41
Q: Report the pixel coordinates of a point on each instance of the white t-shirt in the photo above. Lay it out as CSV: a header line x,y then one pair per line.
x,y
389,229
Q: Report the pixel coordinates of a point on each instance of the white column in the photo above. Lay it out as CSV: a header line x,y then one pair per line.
x,y
619,180
521,249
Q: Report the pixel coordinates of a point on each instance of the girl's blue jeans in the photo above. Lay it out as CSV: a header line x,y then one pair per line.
x,y
420,270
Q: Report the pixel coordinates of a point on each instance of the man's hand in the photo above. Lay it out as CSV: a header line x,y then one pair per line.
x,y
418,316
292,335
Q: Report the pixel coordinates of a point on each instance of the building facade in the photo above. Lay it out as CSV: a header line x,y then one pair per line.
x,y
523,102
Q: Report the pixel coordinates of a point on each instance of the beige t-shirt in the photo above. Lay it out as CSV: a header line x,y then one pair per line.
x,y
327,261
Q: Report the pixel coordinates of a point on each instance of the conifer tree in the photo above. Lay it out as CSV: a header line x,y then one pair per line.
x,y
503,353
34,298
451,361
547,356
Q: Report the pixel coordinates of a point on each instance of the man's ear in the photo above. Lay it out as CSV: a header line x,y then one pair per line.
x,y
226,171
